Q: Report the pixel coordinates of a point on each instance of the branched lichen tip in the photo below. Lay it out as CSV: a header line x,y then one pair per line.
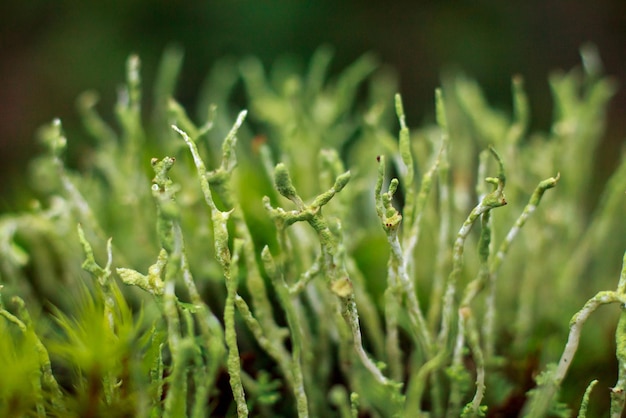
x,y
282,179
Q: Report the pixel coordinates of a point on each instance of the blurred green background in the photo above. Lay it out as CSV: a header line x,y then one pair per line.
x,y
51,51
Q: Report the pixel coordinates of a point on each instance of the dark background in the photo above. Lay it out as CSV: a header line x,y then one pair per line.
x,y
51,51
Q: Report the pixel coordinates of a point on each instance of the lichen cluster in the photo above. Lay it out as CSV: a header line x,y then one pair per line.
x,y
307,260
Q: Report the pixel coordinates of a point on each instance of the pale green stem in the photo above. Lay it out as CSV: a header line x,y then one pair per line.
x,y
170,260
56,142
333,266
128,109
582,412
201,168
156,373
492,200
545,395
618,392
211,330
233,363
405,258
350,315
529,209
417,384
407,172
467,327
220,233
473,338
488,330
399,281
220,179
296,333
254,280
102,275
443,244
175,401
418,324
457,370
305,278
392,342
271,347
